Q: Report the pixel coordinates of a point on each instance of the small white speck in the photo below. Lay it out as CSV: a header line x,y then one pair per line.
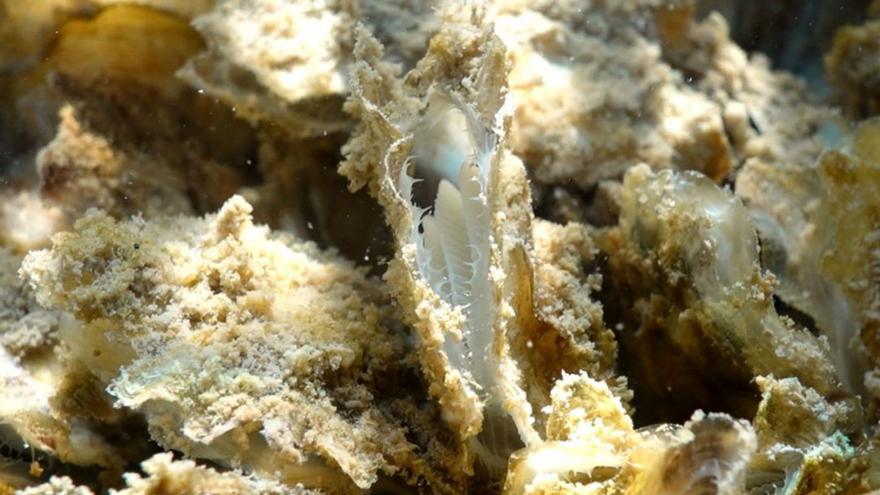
x,y
201,91
310,226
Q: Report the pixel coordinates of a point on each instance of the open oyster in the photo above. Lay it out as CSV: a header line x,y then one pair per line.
x,y
819,230
686,255
432,148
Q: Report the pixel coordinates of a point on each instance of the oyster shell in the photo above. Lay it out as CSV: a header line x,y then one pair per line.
x,y
686,256
594,95
211,329
852,68
805,442
53,413
595,450
163,474
288,62
819,228
432,149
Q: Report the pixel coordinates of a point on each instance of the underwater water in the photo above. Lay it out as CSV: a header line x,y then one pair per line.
x,y
514,247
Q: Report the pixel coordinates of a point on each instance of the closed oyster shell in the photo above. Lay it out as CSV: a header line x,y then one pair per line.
x,y
852,68
596,450
248,348
162,474
289,62
595,96
277,60
807,443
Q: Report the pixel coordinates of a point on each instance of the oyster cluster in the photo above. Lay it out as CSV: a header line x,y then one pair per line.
x,y
409,246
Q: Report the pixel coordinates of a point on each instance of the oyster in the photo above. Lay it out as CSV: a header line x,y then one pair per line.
x,y
209,328
806,443
288,62
820,239
603,86
251,47
852,68
593,449
54,415
432,149
768,115
165,475
596,97
27,220
302,193
92,162
686,256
